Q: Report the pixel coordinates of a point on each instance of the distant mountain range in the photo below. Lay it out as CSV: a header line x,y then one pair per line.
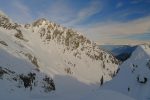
x,y
121,52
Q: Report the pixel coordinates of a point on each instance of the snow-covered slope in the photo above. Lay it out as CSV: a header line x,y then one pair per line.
x,y
70,51
106,95
133,78
44,56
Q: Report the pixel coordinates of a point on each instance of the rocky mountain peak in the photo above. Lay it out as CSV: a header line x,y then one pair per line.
x,y
72,50
70,39
6,22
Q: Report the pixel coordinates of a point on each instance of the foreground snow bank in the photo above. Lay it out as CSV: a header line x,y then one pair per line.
x,y
106,95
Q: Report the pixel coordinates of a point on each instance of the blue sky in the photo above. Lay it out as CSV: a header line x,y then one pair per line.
x,y
98,19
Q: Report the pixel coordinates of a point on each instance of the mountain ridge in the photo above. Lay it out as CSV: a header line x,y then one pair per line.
x,y
137,79
49,50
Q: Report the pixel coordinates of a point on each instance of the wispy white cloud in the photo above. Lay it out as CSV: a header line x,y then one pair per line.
x,y
58,11
63,13
17,11
109,29
93,8
21,12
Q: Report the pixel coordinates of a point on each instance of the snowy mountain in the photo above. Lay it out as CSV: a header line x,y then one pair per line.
x,y
134,75
44,59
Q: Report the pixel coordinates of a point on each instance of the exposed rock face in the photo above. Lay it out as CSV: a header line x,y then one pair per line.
x,y
6,23
72,40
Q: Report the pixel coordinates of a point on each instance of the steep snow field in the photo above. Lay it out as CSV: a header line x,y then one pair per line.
x,y
43,60
133,78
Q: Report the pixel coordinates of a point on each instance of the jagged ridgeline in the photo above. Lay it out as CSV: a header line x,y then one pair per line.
x,y
6,23
51,49
73,40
